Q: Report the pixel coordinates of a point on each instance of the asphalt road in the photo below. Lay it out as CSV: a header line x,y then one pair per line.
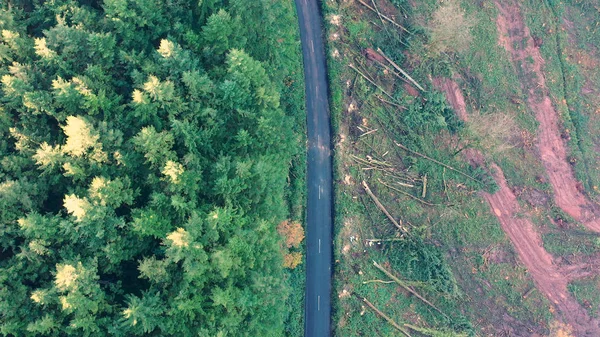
x,y
319,222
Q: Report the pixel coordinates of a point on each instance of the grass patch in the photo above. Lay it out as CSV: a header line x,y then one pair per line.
x,y
586,292
565,80
461,244
448,220
570,243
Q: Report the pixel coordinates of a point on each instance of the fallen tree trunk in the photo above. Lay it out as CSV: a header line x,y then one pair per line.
x,y
435,333
384,316
377,281
438,162
400,69
409,289
384,240
382,208
383,16
407,194
370,81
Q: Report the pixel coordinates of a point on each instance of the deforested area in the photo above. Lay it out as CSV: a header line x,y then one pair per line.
x,y
466,167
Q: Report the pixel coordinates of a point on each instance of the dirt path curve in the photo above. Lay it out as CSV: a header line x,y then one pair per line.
x,y
522,234
553,152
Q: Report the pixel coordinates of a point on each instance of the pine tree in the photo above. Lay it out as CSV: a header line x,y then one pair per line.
x,y
144,155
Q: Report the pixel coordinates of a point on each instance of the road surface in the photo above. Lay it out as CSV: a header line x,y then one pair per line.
x,y
319,244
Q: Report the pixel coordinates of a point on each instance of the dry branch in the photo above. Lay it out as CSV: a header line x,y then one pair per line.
x,y
390,103
368,133
438,162
406,194
384,316
378,281
371,161
383,16
370,81
445,185
400,69
424,193
380,206
384,240
409,289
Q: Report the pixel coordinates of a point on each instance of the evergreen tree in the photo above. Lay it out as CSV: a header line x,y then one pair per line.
x,y
144,151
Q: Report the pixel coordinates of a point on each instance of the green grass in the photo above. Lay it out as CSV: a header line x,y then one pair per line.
x,y
565,80
491,85
293,102
562,243
586,292
294,326
490,282
470,225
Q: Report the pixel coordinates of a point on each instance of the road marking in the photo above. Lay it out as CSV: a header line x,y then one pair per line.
x,y
312,46
319,192
319,246
318,303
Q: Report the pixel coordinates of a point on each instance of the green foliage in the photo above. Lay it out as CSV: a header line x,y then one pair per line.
x,y
421,261
220,34
431,115
144,153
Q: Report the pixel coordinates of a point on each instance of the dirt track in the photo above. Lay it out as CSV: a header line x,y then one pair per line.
x,y
586,268
553,152
521,232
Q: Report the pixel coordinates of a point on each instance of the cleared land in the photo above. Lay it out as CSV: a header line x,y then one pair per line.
x,y
553,152
523,235
477,149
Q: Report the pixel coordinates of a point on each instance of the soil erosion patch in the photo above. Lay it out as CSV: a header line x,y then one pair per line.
x,y
521,232
553,151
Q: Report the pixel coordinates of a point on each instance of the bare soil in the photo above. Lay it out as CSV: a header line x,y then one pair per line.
x,y
552,148
521,232
588,266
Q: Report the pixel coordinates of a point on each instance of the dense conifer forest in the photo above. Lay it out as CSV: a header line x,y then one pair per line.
x,y
145,150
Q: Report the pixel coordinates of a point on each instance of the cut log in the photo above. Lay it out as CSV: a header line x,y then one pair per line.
x,y
438,162
409,289
383,16
384,316
382,208
400,70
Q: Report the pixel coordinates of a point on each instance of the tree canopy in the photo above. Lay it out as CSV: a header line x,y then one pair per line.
x,y
144,153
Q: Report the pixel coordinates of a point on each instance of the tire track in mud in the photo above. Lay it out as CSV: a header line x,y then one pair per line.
x,y
553,151
587,268
547,277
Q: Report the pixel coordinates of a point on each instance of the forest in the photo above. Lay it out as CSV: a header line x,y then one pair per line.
x,y
148,151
